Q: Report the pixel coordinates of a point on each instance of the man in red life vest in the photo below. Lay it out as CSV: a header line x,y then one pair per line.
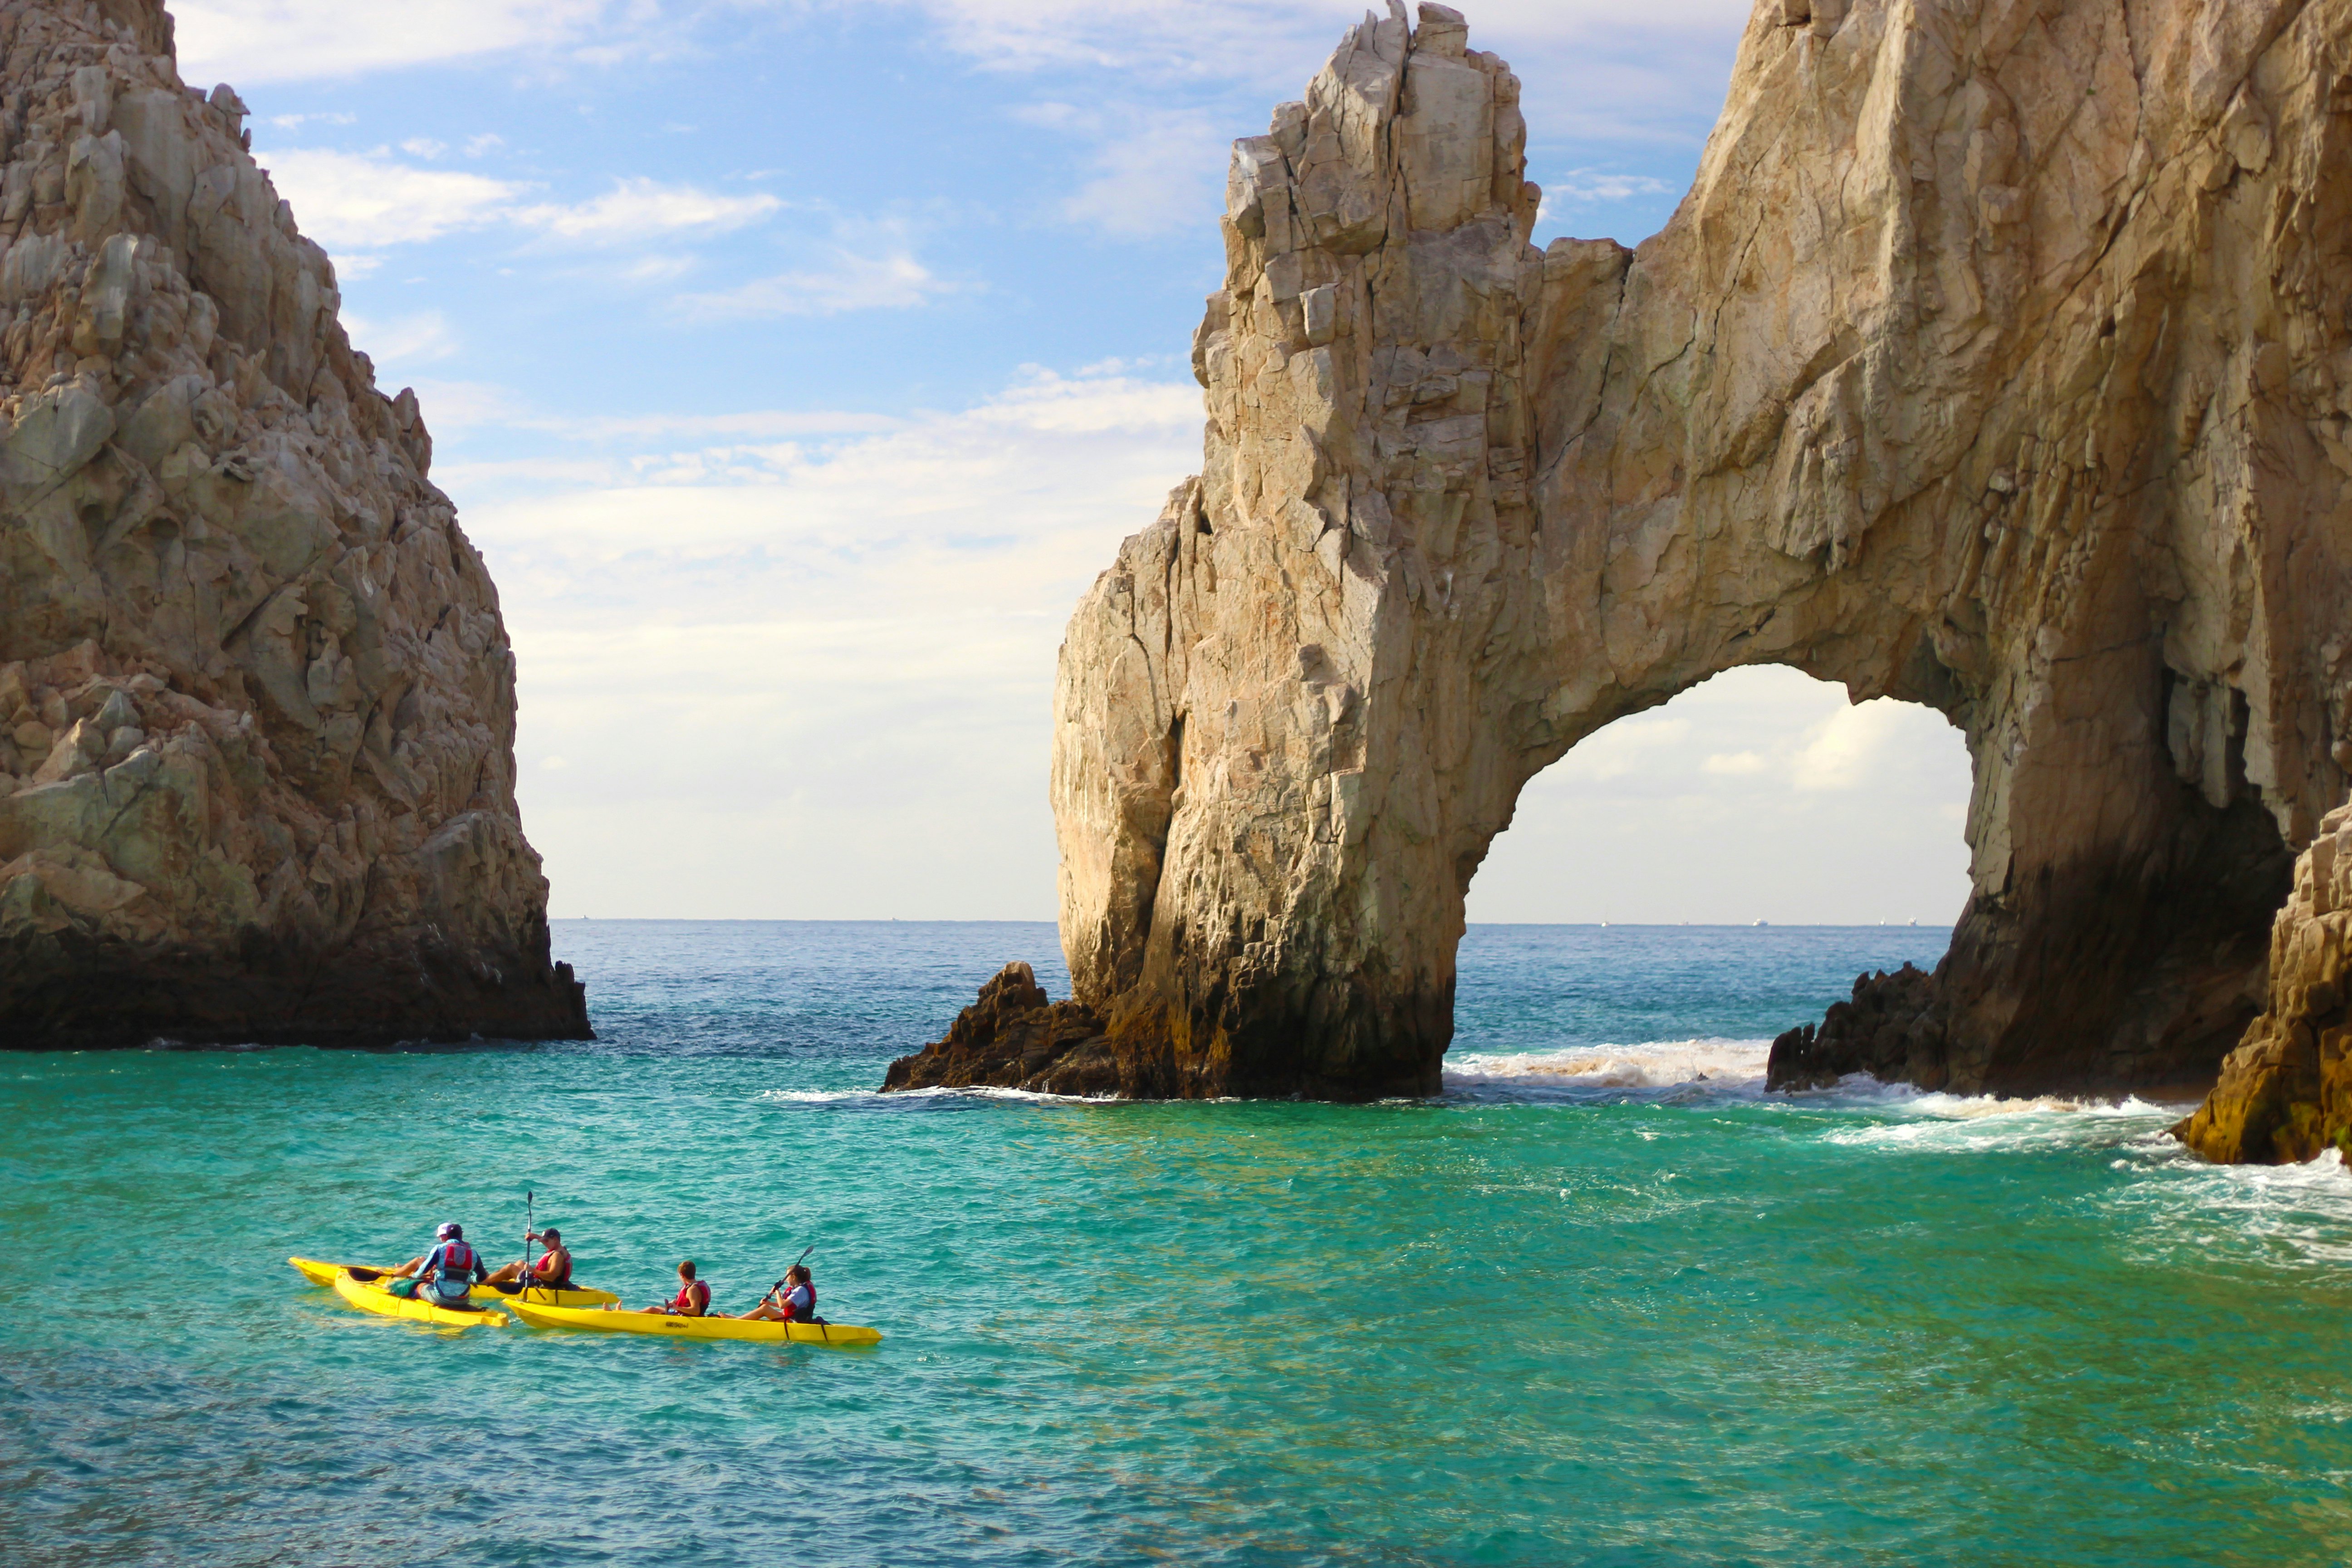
x,y
797,1303
552,1272
446,1276
693,1297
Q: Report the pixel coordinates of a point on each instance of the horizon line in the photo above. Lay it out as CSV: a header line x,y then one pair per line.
x,y
947,921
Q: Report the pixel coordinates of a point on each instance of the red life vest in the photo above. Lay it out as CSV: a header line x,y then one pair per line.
x,y
456,1261
553,1271
692,1297
792,1315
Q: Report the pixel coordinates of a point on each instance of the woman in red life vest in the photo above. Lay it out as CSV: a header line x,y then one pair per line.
x,y
693,1297
552,1272
795,1304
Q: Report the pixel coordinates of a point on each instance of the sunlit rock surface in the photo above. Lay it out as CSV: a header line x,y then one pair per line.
x,y
2285,1093
256,704
1997,361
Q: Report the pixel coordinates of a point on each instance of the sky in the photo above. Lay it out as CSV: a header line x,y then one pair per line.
x,y
796,368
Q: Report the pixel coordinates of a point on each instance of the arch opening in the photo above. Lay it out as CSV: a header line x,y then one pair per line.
x,y
1761,794
1687,883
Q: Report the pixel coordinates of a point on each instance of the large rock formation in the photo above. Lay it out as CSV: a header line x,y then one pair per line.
x,y
256,705
1998,360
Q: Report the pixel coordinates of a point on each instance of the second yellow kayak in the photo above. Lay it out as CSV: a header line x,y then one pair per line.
x,y
676,1328
319,1273
384,1303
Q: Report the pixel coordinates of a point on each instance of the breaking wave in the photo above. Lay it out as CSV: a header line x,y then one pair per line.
x,y
1730,1069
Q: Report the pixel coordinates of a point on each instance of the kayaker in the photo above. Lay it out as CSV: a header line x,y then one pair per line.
x,y
447,1275
798,1304
552,1272
693,1297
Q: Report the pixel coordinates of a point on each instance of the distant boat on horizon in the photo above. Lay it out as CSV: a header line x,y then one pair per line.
x,y
1763,922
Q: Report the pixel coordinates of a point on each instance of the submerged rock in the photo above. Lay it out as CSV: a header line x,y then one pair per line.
x,y
256,703
1996,361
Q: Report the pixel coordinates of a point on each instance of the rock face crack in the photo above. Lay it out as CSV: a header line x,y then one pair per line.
x,y
257,702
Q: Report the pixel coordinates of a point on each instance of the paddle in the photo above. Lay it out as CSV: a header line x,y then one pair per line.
x,y
779,1285
522,1276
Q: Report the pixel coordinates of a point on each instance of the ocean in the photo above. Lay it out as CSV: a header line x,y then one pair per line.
x,y
1604,1301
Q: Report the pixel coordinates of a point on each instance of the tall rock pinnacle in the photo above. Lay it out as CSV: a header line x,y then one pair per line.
x,y
256,704
1998,360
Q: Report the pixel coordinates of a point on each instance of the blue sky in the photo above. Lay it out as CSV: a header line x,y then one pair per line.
x,y
796,367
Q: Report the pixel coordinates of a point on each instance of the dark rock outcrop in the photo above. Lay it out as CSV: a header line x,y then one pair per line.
x,y
1889,1030
1014,1037
256,701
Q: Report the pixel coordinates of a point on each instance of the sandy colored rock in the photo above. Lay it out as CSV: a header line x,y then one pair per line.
x,y
2285,1093
1997,361
256,704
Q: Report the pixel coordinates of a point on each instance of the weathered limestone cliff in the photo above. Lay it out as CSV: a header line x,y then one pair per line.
x,y
1998,360
256,704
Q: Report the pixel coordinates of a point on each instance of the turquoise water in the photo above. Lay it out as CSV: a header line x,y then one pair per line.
x,y
1588,1308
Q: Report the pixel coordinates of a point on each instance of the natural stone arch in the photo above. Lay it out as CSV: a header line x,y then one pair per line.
x,y
1989,363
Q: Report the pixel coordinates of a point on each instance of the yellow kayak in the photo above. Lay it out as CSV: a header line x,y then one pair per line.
x,y
377,1299
319,1273
675,1328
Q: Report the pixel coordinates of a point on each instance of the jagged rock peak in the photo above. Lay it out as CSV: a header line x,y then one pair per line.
x,y
256,703
1994,362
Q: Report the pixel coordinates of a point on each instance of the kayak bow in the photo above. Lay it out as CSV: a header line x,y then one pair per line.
x,y
676,1328
319,1273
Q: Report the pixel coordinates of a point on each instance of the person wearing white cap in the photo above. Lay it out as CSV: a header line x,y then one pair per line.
x,y
447,1275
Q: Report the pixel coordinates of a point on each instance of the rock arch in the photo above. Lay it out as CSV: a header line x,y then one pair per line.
x,y
1998,358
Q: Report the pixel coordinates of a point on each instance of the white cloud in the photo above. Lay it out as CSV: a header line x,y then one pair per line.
x,y
835,656
365,200
487,141
450,406
1759,795
423,147
1854,745
1601,185
1624,748
659,268
1157,173
634,209
250,41
756,424
854,282
417,338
